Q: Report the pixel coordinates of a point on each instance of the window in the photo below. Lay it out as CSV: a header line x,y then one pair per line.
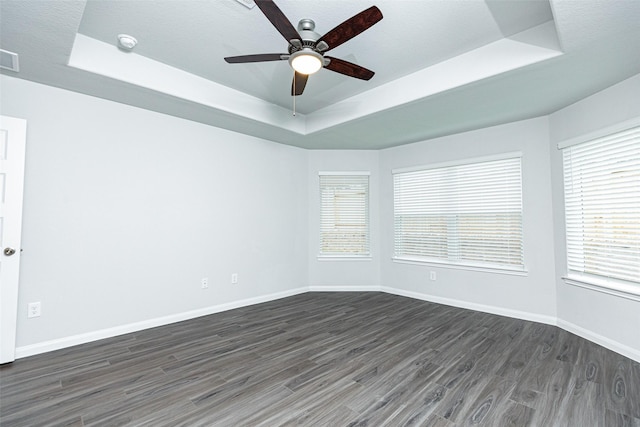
x,y
344,214
462,214
602,208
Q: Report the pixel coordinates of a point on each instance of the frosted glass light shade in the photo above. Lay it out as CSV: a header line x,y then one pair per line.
x,y
306,62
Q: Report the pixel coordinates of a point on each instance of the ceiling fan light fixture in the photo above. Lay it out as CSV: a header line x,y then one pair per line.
x,y
306,61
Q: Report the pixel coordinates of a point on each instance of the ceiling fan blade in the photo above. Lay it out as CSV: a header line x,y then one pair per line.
x,y
261,57
298,84
348,68
278,19
351,27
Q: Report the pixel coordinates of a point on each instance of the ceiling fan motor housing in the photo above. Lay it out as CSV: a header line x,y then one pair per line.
x,y
308,36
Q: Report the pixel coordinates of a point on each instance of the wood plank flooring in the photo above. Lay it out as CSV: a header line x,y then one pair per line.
x,y
329,359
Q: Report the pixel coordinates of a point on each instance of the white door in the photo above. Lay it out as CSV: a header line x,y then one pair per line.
x,y
13,134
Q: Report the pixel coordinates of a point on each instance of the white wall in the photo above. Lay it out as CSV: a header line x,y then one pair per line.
x,y
343,274
125,210
530,297
609,320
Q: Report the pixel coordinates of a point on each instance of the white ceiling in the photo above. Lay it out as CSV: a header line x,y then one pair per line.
x,y
441,67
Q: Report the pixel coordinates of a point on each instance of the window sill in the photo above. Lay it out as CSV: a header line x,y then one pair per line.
x,y
482,269
344,258
619,289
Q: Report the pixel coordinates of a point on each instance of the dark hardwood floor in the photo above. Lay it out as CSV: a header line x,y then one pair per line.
x,y
329,359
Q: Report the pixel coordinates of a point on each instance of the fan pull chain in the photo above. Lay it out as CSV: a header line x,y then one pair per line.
x,y
294,94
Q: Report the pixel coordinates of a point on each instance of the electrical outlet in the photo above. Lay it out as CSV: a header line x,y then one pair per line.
x,y
234,279
33,309
432,275
204,283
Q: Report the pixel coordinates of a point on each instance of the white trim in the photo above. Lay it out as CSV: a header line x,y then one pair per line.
x,y
429,218
599,191
496,270
500,311
344,257
57,344
618,127
483,159
612,345
345,288
13,169
339,173
605,286
344,228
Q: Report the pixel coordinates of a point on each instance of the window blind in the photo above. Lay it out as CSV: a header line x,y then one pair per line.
x,y
467,214
344,214
602,206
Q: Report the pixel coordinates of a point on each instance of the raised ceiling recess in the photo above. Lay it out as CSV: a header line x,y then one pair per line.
x,y
440,67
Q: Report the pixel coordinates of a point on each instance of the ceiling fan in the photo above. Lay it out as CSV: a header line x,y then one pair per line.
x,y
307,48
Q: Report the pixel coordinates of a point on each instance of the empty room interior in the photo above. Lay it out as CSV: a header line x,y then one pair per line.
x,y
320,213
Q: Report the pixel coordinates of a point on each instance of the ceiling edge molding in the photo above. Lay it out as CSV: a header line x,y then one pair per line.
x,y
103,59
529,47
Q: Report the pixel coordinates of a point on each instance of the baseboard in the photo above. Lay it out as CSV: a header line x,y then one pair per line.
x,y
34,349
346,288
501,311
612,345
46,346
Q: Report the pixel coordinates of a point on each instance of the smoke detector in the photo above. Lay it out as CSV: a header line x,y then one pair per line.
x,y
126,41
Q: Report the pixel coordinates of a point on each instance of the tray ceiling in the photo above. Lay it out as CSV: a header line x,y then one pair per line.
x,y
441,67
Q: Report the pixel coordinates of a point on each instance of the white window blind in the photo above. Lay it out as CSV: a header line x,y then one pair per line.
x,y
602,206
467,214
344,214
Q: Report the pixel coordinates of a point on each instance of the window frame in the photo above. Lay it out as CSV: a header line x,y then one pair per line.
x,y
518,270
610,285
345,256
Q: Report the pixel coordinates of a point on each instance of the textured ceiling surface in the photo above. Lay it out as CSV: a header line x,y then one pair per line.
x,y
441,67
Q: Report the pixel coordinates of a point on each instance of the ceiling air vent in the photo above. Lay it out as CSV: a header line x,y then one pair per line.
x,y
9,60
